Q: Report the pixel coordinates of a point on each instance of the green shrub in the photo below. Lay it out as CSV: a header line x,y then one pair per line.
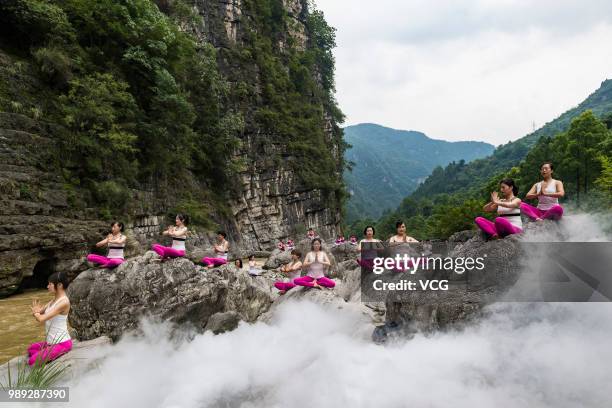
x,y
54,65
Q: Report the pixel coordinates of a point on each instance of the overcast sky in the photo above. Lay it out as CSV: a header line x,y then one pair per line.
x,y
468,69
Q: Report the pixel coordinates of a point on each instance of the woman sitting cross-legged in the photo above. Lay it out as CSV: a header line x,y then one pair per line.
x,y
292,269
221,249
115,242
508,208
547,192
54,315
316,261
178,234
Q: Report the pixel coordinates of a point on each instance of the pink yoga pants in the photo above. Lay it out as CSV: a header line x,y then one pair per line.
x,y
500,226
309,281
105,262
44,352
554,213
284,285
208,261
167,252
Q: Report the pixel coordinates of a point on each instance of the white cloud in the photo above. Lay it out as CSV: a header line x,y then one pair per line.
x,y
480,70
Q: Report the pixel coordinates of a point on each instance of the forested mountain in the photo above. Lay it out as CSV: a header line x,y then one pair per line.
x,y
390,163
461,176
136,110
579,143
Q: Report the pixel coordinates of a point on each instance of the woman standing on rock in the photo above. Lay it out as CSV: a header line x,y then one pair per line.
x,y
509,220
292,269
400,236
316,261
115,241
221,249
178,232
54,314
368,248
548,193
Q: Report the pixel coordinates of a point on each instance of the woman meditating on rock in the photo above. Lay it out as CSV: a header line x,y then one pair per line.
x,y
509,215
315,262
221,249
254,266
178,232
397,244
292,269
548,193
115,242
368,247
54,314
400,237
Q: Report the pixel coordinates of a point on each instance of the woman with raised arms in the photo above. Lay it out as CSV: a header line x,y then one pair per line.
x,y
509,215
292,269
54,315
178,232
221,249
115,242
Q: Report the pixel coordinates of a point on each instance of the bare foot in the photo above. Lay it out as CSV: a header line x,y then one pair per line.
x,y
316,285
539,220
495,236
282,292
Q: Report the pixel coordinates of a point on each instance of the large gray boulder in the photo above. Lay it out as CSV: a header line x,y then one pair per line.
x,y
277,259
468,294
111,302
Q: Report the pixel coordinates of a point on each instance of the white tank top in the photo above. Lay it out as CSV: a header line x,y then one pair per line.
x,y
253,269
545,202
115,251
315,269
511,214
57,326
293,274
178,243
222,255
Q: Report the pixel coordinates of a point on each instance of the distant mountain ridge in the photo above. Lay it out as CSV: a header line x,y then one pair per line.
x,y
468,176
390,163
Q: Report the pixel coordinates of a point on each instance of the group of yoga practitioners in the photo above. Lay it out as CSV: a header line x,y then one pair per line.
x,y
316,262
510,207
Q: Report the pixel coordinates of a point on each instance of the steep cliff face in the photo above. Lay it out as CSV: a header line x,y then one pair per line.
x,y
49,221
272,202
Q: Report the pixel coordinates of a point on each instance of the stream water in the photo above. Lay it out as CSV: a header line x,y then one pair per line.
x,y
18,329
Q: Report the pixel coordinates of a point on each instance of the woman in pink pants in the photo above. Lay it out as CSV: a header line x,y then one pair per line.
x,y
115,242
178,232
509,220
368,248
292,270
221,249
54,314
315,261
548,193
